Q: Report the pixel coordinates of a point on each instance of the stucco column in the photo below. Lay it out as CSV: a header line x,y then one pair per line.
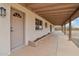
x,y
64,29
70,28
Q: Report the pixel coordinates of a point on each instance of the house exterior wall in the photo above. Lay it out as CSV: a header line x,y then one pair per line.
x,y
5,31
30,33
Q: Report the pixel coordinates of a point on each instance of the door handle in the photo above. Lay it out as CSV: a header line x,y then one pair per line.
x,y
11,29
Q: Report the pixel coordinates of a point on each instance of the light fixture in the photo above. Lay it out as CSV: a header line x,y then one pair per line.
x,y
2,11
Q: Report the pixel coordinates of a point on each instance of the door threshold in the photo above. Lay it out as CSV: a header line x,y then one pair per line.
x,y
14,49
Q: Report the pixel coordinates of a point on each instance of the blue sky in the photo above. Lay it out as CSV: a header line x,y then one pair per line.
x,y
75,23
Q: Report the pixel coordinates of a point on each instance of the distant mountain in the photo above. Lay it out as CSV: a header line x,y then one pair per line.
x,y
73,27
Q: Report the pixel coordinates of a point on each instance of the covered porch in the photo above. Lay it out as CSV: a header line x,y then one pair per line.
x,y
25,24
54,44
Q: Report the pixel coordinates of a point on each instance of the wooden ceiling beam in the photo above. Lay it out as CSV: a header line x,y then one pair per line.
x,y
54,14
59,6
59,9
52,20
69,18
48,19
41,6
56,11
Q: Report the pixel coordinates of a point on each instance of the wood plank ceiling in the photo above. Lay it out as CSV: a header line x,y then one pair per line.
x,y
56,13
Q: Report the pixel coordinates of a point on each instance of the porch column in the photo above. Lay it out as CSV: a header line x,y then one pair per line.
x,y
70,28
64,29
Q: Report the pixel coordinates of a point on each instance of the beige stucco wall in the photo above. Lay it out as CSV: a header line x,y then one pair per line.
x,y
5,32
30,32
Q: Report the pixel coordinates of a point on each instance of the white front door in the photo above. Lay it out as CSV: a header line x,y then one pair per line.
x,y
17,24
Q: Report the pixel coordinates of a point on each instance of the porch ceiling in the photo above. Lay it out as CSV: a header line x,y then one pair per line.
x,y
56,13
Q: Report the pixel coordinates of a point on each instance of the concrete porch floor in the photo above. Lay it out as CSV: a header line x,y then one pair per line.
x,y
55,44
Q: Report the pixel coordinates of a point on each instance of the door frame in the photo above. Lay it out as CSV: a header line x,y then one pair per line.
x,y
12,8
50,28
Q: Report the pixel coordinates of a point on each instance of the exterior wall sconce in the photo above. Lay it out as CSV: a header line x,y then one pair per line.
x,y
2,11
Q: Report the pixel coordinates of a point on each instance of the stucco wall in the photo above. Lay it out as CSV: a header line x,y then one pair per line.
x,y
5,32
30,32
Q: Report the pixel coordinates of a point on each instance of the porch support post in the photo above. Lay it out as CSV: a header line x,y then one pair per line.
x,y
70,28
64,29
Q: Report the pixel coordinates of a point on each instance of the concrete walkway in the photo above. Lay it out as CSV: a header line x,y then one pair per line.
x,y
55,44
